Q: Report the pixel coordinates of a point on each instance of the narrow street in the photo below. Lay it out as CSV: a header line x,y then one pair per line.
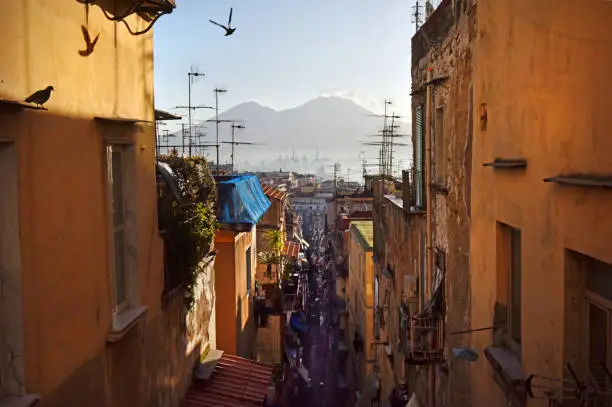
x,y
319,355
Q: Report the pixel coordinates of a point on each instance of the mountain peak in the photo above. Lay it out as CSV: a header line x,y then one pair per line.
x,y
332,102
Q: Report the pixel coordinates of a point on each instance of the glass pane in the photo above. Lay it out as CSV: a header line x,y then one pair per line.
x,y
599,278
598,343
598,334
515,289
117,169
120,272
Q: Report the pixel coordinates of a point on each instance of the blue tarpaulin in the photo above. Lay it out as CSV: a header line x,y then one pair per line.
x,y
240,200
298,323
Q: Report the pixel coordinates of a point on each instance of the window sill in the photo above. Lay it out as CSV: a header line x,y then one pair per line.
x,y
124,322
508,372
20,401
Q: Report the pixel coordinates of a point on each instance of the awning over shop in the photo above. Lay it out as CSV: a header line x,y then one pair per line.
x,y
234,381
369,391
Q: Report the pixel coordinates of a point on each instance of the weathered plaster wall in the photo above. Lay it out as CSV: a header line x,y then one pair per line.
x,y
444,45
397,237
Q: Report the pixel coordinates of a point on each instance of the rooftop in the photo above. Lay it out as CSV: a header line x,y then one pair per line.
x,y
234,382
364,230
273,192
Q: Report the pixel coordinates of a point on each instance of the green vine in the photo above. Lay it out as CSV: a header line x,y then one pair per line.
x,y
189,223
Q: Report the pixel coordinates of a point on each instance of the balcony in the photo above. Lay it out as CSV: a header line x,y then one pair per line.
x,y
425,344
422,335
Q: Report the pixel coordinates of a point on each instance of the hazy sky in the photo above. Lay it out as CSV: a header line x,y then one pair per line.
x,y
286,52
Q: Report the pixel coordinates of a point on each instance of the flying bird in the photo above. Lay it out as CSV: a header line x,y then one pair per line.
x,y
88,42
228,30
40,96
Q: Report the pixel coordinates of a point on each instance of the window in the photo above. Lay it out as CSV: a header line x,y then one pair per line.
x,y
515,286
119,168
11,324
440,156
249,272
599,319
509,276
419,157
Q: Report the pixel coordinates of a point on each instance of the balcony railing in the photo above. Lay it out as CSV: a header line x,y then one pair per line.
x,y
422,337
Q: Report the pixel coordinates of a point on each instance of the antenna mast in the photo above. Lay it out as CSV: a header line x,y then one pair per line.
x,y
417,16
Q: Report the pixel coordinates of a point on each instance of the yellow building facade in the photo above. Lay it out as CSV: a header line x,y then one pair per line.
x,y
80,249
360,303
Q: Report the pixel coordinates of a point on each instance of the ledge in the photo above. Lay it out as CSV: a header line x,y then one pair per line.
x,y
508,372
27,400
507,163
588,181
434,81
124,322
120,120
13,105
438,187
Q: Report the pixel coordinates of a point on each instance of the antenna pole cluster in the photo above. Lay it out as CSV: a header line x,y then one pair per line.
x,y
417,16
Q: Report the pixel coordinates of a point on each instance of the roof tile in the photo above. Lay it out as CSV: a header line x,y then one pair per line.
x,y
235,382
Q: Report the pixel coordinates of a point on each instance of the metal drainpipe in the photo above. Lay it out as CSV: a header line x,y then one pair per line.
x,y
429,236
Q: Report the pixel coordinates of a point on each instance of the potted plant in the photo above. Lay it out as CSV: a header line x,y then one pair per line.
x,y
269,259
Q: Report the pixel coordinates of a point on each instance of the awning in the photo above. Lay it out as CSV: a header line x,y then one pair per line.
x,y
303,242
163,115
293,250
165,171
369,391
234,382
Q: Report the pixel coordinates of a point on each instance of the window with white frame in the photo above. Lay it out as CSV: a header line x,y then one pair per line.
x,y
119,166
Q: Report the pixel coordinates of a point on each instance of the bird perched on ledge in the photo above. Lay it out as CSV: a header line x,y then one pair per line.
x,y
228,30
40,97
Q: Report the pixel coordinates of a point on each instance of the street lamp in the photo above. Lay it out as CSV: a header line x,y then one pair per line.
x,y
149,10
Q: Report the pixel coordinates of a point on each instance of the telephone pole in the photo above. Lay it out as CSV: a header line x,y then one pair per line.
x,y
217,91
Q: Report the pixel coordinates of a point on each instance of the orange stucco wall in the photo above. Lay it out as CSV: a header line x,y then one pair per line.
x,y
235,325
542,68
63,213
